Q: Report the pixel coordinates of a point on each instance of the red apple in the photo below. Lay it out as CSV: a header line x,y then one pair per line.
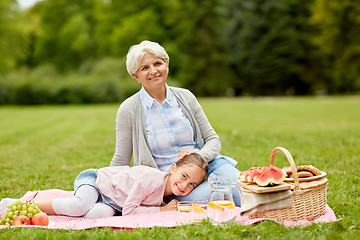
x,y
21,220
40,219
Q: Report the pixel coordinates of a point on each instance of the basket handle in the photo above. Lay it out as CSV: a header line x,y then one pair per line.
x,y
291,161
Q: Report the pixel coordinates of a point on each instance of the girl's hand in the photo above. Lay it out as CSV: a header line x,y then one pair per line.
x,y
184,153
171,206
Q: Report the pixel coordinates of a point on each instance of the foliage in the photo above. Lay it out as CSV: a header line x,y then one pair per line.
x,y
337,22
216,47
270,47
203,64
45,147
10,36
96,81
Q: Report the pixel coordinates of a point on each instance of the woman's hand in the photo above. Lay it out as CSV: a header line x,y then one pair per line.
x,y
183,153
171,206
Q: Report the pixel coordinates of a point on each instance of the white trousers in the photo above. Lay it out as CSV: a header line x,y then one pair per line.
x,y
83,204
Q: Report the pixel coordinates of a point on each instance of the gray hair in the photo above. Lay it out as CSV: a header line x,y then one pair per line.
x,y
136,53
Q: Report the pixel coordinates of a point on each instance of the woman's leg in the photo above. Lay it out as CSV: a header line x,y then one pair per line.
x,y
223,168
78,205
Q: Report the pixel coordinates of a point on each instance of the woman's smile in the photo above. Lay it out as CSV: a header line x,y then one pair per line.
x,y
152,74
154,78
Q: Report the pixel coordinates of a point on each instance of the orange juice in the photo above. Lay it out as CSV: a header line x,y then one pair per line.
x,y
184,206
184,209
199,208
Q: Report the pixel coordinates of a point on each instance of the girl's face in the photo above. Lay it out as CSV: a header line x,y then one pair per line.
x,y
152,73
184,179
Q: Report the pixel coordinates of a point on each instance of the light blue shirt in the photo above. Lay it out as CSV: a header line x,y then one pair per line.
x,y
167,129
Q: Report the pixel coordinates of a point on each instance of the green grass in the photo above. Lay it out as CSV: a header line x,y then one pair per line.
x,y
44,147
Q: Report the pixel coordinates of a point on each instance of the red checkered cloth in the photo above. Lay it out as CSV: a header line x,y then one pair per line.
x,y
149,220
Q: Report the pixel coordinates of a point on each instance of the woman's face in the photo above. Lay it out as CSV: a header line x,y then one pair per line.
x,y
184,179
152,73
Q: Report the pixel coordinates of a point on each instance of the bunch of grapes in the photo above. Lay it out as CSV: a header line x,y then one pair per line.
x,y
27,208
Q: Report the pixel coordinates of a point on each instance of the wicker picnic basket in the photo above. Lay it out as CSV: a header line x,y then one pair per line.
x,y
308,199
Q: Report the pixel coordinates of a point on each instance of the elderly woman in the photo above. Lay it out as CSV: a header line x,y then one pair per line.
x,y
159,125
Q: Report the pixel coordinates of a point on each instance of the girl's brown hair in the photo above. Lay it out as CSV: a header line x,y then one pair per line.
x,y
197,160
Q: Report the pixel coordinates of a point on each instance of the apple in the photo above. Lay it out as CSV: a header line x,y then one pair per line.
x,y
21,220
40,219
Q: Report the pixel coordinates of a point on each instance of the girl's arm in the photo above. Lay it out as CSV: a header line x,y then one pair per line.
x,y
141,200
146,193
171,206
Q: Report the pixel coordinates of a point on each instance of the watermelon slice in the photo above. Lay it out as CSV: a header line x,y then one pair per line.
x,y
270,176
255,172
263,176
241,176
250,175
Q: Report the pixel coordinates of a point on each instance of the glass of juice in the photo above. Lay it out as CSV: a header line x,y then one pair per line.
x,y
199,208
200,205
184,206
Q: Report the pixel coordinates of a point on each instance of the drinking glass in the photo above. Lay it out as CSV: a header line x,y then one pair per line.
x,y
184,206
199,209
200,205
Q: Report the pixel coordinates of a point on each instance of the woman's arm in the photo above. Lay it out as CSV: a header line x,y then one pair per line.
x,y
123,146
211,141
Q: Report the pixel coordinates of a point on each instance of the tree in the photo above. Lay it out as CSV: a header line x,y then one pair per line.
x,y
10,36
337,40
120,24
268,42
66,32
201,56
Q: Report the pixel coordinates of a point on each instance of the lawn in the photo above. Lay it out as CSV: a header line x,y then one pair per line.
x,y
44,147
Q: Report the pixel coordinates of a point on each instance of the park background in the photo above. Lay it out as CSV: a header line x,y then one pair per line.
x,y
65,51
267,73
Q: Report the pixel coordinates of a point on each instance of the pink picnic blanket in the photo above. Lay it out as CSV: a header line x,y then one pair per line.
x,y
160,219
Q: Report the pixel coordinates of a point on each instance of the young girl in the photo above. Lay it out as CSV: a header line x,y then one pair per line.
x,y
124,190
